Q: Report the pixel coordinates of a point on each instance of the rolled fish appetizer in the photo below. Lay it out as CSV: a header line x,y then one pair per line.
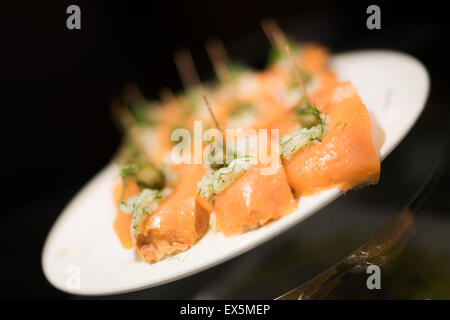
x,y
157,211
246,194
336,149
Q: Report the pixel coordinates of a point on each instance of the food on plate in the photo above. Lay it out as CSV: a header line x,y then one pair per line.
x,y
322,140
253,200
337,152
178,223
157,211
246,194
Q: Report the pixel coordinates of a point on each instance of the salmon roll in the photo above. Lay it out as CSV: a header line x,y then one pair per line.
x,y
337,152
160,220
246,195
252,201
178,223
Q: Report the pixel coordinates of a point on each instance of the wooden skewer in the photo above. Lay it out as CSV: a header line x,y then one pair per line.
x,y
132,93
126,120
186,68
219,57
297,73
273,32
216,123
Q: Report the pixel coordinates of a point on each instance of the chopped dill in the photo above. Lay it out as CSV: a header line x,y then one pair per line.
x,y
310,109
128,170
226,163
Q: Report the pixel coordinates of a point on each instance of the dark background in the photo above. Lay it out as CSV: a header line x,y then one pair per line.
x,y
56,128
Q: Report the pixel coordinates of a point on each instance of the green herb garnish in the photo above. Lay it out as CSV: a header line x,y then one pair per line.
x,y
308,109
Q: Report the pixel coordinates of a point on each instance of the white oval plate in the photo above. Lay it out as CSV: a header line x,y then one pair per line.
x,y
82,255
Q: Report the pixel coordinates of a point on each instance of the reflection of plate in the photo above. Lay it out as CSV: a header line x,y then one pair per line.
x,y
82,254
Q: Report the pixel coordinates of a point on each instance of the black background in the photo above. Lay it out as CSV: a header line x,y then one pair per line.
x,y
56,129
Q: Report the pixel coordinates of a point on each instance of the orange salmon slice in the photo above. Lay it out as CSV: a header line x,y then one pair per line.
x,y
253,200
178,223
346,156
122,223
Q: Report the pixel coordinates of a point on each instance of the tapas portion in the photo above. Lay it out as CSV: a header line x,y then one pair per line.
x,y
336,150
